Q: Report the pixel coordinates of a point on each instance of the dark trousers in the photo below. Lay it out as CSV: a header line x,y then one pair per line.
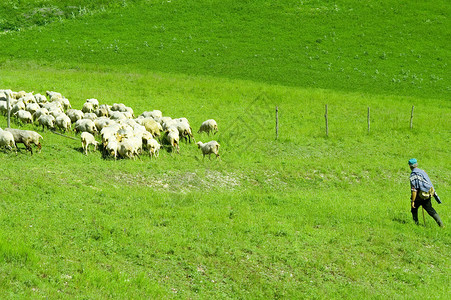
x,y
427,205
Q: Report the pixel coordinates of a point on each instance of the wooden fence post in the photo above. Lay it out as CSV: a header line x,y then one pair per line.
x,y
411,117
8,109
369,120
277,122
327,122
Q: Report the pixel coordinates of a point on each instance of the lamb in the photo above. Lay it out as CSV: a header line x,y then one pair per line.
x,y
86,140
26,137
7,140
85,125
47,121
24,116
209,148
208,126
63,122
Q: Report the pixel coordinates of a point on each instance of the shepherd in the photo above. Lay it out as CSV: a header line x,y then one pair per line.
x,y
422,191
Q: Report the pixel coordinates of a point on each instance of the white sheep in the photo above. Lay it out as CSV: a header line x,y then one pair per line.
x,y
209,148
7,140
24,116
26,137
47,121
88,108
208,126
126,149
74,115
63,122
85,125
154,147
32,107
41,111
172,137
111,148
4,107
40,98
95,102
185,131
53,95
86,140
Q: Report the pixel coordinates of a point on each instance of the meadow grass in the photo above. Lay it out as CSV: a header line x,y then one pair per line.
x,y
388,48
304,216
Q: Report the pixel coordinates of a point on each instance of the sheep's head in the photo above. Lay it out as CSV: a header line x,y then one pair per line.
x,y
199,144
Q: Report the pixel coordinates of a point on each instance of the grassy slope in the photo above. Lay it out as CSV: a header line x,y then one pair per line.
x,y
383,48
302,217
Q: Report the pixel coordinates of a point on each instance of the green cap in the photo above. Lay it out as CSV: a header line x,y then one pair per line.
x,y
412,161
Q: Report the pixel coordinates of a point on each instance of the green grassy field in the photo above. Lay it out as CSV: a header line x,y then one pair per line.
x,y
304,216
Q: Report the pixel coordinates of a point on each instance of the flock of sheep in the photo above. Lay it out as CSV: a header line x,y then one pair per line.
x,y
121,133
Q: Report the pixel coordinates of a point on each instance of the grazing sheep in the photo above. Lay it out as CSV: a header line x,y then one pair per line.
x,y
74,115
154,114
117,115
7,140
4,107
24,116
32,107
126,149
40,112
90,116
111,148
151,126
102,111
172,137
95,102
102,122
184,129
4,94
53,95
63,122
47,121
40,98
26,137
88,108
209,148
19,94
86,140
208,126
64,103
19,105
85,125
154,147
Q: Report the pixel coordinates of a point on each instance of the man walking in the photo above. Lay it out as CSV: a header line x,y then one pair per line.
x,y
422,191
